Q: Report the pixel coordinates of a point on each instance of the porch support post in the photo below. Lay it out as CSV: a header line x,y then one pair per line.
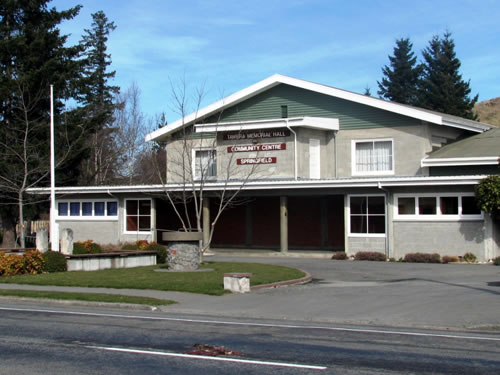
x,y
206,221
284,224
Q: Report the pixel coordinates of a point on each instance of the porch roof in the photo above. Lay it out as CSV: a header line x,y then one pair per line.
x,y
272,184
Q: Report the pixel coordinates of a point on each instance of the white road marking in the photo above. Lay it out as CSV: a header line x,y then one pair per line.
x,y
247,324
223,359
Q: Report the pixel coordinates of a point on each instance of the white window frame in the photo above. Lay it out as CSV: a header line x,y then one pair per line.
x,y
193,162
92,217
349,233
125,231
355,172
438,216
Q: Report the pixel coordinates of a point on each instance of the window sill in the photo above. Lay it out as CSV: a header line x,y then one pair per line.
x,y
373,235
87,218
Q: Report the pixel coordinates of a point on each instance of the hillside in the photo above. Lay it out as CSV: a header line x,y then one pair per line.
x,y
489,111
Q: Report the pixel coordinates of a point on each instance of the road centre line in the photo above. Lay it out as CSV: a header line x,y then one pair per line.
x,y
222,359
247,324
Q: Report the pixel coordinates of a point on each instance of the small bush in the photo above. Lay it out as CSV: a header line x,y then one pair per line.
x,y
54,262
470,258
87,247
449,259
496,261
10,264
33,262
142,244
161,252
339,255
130,246
422,258
370,255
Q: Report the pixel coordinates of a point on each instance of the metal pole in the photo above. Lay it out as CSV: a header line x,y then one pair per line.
x,y
54,232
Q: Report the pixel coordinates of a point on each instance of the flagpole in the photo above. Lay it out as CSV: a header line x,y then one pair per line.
x,y
54,230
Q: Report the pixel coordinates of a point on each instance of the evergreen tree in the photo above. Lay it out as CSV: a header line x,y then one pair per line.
x,y
98,97
442,86
401,78
33,56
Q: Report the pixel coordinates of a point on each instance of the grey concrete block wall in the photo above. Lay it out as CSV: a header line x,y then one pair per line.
x,y
410,144
446,238
102,232
356,244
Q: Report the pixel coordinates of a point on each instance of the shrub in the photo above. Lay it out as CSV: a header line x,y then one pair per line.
x,y
488,195
33,262
87,247
129,246
142,244
470,258
10,264
54,262
496,261
422,258
339,255
161,252
370,255
449,259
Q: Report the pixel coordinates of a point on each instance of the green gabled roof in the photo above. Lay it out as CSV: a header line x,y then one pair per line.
x,y
277,79
481,145
479,150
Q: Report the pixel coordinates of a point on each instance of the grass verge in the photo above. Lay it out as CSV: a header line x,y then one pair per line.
x,y
88,297
210,283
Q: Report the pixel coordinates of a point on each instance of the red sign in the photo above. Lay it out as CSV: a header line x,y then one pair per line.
x,y
263,160
264,147
257,134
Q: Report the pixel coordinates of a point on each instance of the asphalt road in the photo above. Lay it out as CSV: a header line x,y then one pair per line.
x,y
57,340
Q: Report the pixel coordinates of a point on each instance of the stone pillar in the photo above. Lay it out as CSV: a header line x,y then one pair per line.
x,y
67,241
284,224
42,240
206,222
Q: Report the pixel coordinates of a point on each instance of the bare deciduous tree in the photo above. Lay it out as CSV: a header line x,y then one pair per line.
x,y
195,164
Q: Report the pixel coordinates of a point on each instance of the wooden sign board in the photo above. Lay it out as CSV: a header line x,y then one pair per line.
x,y
257,134
253,148
263,160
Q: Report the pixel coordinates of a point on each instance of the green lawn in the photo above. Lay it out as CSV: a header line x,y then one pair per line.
x,y
210,282
88,297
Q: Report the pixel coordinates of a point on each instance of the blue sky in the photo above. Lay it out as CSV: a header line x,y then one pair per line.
x,y
228,45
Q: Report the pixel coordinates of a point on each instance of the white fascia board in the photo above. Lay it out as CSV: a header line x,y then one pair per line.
x,y
449,162
273,185
276,79
215,107
473,127
320,123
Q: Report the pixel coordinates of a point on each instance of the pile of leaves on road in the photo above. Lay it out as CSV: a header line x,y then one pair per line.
x,y
212,350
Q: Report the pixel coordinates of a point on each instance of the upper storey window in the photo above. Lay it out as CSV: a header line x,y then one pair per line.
x,y
205,164
372,157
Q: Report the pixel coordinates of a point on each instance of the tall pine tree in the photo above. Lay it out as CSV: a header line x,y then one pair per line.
x,y
99,98
442,87
33,56
401,77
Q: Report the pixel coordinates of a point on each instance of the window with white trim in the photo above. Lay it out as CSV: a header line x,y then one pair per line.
x,y
367,215
436,207
372,157
87,209
138,215
205,164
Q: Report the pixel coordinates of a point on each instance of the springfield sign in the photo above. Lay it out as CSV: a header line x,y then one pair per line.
x,y
258,134
261,147
263,160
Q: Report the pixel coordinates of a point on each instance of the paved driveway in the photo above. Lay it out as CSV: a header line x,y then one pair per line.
x,y
376,293
380,293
